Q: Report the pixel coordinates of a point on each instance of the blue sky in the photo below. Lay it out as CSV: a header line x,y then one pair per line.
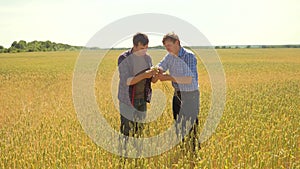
x,y
227,22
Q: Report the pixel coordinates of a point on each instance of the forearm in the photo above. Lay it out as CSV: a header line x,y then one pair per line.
x,y
136,79
182,80
179,80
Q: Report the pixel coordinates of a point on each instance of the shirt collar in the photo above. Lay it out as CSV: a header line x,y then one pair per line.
x,y
131,50
181,52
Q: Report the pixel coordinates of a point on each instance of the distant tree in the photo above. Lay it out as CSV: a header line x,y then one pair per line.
x,y
48,45
14,44
21,45
72,49
12,50
33,46
1,47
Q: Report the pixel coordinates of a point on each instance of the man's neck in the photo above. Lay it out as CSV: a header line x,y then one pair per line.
x,y
177,51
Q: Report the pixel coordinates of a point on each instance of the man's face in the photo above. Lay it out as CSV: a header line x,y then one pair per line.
x,y
140,49
171,46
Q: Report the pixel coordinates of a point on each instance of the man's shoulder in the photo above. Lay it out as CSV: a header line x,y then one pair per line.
x,y
168,56
148,56
187,51
123,56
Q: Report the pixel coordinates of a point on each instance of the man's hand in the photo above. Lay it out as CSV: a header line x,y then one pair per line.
x,y
155,68
150,73
164,77
180,80
160,70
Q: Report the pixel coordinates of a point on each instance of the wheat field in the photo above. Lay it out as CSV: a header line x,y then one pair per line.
x,y
259,127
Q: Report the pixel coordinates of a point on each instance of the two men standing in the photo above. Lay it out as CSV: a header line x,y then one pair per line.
x,y
135,90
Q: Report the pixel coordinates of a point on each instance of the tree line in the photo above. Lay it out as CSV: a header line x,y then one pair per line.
x,y
38,46
256,46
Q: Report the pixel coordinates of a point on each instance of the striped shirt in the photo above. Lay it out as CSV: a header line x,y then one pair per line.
x,y
183,65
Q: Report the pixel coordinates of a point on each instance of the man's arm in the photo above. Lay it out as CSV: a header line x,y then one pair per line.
x,y
138,78
162,76
124,72
179,80
163,65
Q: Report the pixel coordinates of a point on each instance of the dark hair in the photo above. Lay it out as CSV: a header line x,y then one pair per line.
x,y
172,37
140,38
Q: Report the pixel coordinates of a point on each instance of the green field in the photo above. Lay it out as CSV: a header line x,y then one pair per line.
x,y
259,127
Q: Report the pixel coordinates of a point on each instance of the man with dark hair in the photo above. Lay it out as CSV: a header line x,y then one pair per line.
x,y
140,38
135,90
182,65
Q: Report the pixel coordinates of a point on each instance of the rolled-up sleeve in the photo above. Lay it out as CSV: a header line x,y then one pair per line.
x,y
164,64
124,74
123,69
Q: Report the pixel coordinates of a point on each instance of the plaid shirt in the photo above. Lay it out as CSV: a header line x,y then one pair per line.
x,y
125,67
183,65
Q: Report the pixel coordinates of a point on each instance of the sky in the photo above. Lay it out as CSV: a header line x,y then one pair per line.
x,y
223,22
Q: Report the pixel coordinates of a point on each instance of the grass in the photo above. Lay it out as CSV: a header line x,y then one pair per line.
x,y
259,127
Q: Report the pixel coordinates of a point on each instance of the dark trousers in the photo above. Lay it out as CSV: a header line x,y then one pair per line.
x,y
185,111
132,128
